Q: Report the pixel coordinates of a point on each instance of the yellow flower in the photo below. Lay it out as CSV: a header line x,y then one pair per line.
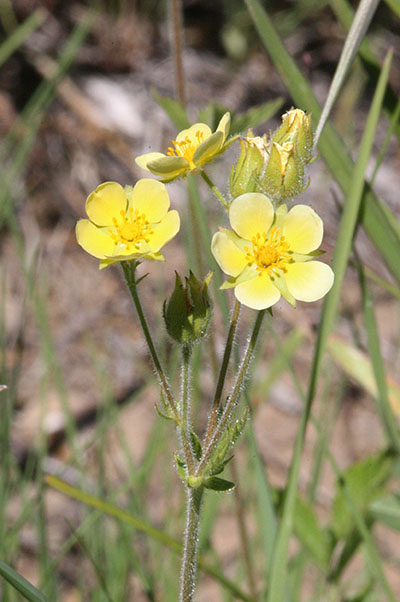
x,y
192,148
268,253
130,223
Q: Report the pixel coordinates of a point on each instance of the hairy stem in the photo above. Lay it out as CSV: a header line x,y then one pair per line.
x,y
129,269
234,396
186,418
191,543
215,190
222,374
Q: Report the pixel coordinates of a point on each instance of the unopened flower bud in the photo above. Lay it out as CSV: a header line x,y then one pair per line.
x,y
244,175
284,174
296,129
188,310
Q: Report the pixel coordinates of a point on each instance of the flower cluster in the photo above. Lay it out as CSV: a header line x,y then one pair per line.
x,y
267,254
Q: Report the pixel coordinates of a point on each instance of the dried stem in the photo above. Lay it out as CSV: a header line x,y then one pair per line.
x,y
177,37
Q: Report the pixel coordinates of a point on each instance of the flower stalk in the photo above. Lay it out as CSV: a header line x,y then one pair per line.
x,y
214,190
233,397
222,374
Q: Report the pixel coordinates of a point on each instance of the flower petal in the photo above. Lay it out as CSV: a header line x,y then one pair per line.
x,y
303,229
197,133
96,242
105,203
251,213
164,231
257,293
151,198
228,256
224,125
309,281
143,160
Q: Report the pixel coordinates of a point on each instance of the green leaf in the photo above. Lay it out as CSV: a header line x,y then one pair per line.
x,y
196,445
364,481
255,116
217,484
175,111
21,33
23,586
220,467
313,537
387,511
180,467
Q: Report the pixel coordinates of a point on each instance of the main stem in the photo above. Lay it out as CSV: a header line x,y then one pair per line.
x,y
191,544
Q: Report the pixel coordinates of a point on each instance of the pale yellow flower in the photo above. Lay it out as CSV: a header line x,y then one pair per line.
x,y
192,148
268,253
127,223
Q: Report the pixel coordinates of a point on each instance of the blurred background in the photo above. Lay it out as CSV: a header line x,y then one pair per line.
x,y
78,101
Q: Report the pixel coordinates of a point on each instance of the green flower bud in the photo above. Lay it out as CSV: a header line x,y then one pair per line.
x,y
244,175
296,129
188,310
284,175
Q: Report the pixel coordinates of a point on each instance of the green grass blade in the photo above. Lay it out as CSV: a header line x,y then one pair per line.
x,y
384,406
19,35
140,525
23,586
372,555
395,6
373,216
278,580
369,61
359,26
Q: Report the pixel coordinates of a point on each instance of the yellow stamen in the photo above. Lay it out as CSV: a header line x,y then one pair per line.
x,y
186,148
132,229
269,252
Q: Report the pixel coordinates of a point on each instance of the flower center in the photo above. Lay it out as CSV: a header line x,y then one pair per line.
x,y
131,230
186,148
269,252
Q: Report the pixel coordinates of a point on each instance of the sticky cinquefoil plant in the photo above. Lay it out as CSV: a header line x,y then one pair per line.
x,y
270,252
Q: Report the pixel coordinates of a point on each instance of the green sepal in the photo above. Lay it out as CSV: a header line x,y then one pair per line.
x,y
196,445
301,258
208,148
247,274
168,167
280,214
278,280
245,174
217,484
188,311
